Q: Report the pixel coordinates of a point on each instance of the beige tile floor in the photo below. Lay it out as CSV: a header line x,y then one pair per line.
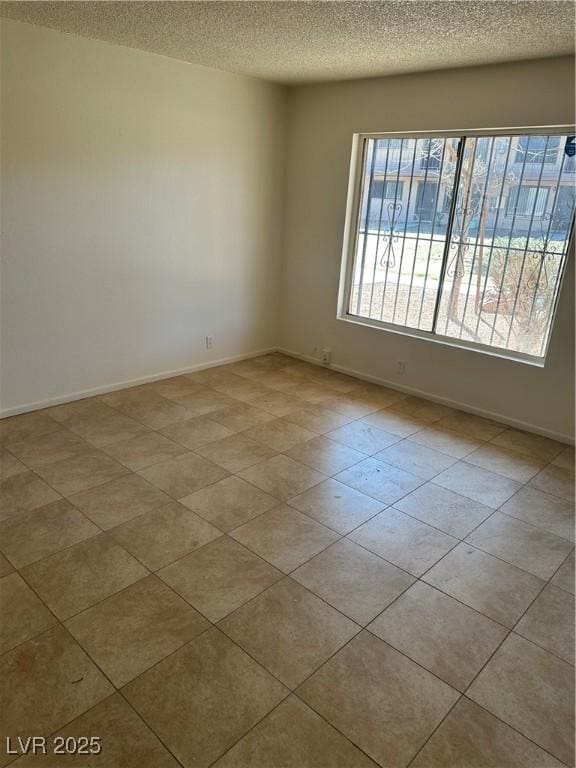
x,y
270,564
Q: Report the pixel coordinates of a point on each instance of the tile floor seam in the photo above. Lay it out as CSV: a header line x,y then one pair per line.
x,y
496,649
420,578
58,551
508,725
460,697
509,631
308,704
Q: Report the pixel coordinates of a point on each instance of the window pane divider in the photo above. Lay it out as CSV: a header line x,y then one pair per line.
x,y
451,219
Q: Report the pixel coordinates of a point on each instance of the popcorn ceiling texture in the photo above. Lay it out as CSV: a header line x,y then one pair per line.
x,y
297,42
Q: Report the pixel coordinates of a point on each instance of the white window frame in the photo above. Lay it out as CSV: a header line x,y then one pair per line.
x,y
351,231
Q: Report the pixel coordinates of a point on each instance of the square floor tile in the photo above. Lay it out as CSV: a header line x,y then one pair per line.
x,y
427,410
379,480
363,437
470,737
78,411
284,537
135,628
289,631
242,389
565,458
144,450
131,398
444,509
126,741
176,388
212,684
325,455
162,535
448,638
229,503
196,432
81,472
220,577
236,452
23,492
564,577
23,614
211,377
5,566
521,544
26,425
202,403
347,405
240,416
417,459
183,475
555,480
528,444
471,425
46,682
317,418
279,434
356,582
10,465
505,462
496,589
30,536
106,430
337,506
294,736
479,484
82,575
379,699
37,450
403,541
549,622
446,441
377,396
113,503
522,685
276,403
310,391
542,510
282,477
156,412
395,423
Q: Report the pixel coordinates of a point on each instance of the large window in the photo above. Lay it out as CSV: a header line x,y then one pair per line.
x,y
460,238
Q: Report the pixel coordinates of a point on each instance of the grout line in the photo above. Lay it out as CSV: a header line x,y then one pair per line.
x,y
287,575
478,673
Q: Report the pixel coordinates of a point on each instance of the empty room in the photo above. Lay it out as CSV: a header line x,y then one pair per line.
x,y
287,384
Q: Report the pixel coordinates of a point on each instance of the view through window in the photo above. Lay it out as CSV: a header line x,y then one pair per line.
x,y
464,237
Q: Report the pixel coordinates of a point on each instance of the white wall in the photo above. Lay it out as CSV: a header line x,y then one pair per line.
x,y
141,211
322,120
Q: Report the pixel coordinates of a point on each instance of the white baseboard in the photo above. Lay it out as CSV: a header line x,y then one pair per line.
x,y
102,390
516,423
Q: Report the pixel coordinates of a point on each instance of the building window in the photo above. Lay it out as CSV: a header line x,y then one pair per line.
x,y
537,149
389,190
462,239
527,200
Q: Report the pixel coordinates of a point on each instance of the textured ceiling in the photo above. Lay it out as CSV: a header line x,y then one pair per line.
x,y
295,42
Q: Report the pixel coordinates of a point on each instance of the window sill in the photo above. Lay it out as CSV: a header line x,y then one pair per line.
x,y
446,341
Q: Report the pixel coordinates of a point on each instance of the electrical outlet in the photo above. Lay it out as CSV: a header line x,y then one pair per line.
x,y
401,367
209,342
326,355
